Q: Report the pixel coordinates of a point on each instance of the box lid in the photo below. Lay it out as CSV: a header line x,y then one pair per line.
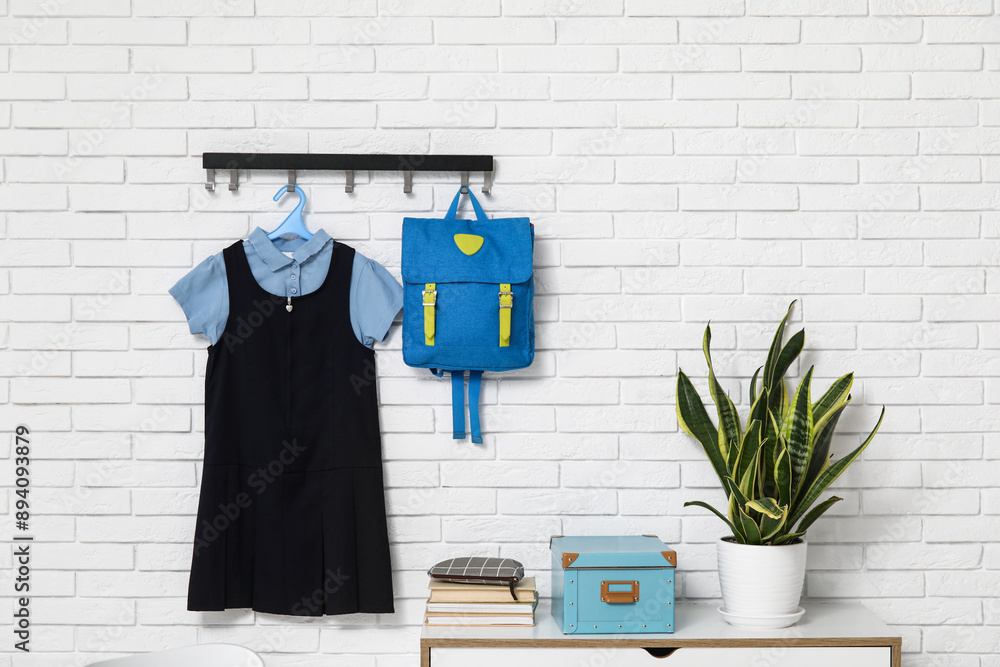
x,y
612,551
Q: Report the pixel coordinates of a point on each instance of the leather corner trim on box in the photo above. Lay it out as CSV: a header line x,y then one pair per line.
x,y
670,556
568,558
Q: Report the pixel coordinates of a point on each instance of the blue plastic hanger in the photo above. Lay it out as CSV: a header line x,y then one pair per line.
x,y
293,224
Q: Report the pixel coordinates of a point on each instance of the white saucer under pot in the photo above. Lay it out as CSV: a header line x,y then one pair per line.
x,y
762,622
761,585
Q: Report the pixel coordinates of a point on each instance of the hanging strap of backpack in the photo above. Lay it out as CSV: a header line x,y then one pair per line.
x,y
458,405
453,209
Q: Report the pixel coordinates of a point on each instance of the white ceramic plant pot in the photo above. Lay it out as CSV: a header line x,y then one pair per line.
x,y
761,585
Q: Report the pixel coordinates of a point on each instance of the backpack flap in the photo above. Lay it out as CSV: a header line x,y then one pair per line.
x,y
467,251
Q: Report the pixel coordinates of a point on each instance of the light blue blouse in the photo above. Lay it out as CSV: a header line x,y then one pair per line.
x,y
203,292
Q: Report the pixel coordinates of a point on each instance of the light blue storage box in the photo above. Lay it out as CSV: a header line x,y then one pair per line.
x,y
614,584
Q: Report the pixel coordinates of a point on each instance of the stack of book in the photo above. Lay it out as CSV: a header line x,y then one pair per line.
x,y
481,604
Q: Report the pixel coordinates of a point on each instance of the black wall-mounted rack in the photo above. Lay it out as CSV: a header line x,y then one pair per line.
x,y
346,162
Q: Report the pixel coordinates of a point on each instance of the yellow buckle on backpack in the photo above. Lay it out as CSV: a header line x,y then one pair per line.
x,y
506,305
429,301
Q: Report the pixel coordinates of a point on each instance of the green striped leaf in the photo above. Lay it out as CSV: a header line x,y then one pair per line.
x,y
772,421
730,430
758,409
750,529
733,456
733,488
769,452
798,430
698,503
782,403
748,449
828,476
783,475
739,516
748,481
775,350
786,538
694,420
815,513
820,458
770,529
773,518
789,353
768,506
734,521
836,395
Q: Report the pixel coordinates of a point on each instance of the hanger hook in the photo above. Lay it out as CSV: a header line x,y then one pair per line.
x,y
298,191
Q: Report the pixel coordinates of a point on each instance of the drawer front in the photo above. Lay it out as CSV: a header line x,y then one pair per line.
x,y
866,656
621,600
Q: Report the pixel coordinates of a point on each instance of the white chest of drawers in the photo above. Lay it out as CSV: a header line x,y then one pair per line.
x,y
829,635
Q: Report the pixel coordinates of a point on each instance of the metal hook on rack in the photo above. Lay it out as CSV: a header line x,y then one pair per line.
x,y
487,182
349,185
210,180
234,179
465,178
407,182
291,181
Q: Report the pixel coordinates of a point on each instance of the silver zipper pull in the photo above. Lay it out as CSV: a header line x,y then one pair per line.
x,y
288,306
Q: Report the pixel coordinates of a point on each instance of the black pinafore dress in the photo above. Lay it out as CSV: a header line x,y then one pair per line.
x,y
291,518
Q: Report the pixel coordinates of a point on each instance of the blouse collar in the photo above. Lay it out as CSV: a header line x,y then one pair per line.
x,y
275,259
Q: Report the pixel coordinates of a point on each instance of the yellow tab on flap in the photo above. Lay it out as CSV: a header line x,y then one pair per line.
x,y
506,305
430,300
469,243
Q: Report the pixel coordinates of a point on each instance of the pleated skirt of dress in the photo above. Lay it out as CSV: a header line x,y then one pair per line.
x,y
303,544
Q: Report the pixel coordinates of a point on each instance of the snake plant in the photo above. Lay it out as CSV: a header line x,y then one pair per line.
x,y
778,466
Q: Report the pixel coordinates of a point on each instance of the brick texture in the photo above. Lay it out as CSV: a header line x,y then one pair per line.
x,y
683,161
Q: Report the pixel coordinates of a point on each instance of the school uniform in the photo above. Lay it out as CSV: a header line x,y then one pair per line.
x,y
291,516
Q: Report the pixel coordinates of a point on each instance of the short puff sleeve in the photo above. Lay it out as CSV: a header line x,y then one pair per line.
x,y
203,293
376,299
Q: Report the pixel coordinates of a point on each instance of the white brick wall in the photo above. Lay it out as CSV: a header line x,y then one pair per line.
x,y
683,160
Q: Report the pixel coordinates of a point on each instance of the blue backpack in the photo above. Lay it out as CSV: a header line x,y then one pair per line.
x,y
468,300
